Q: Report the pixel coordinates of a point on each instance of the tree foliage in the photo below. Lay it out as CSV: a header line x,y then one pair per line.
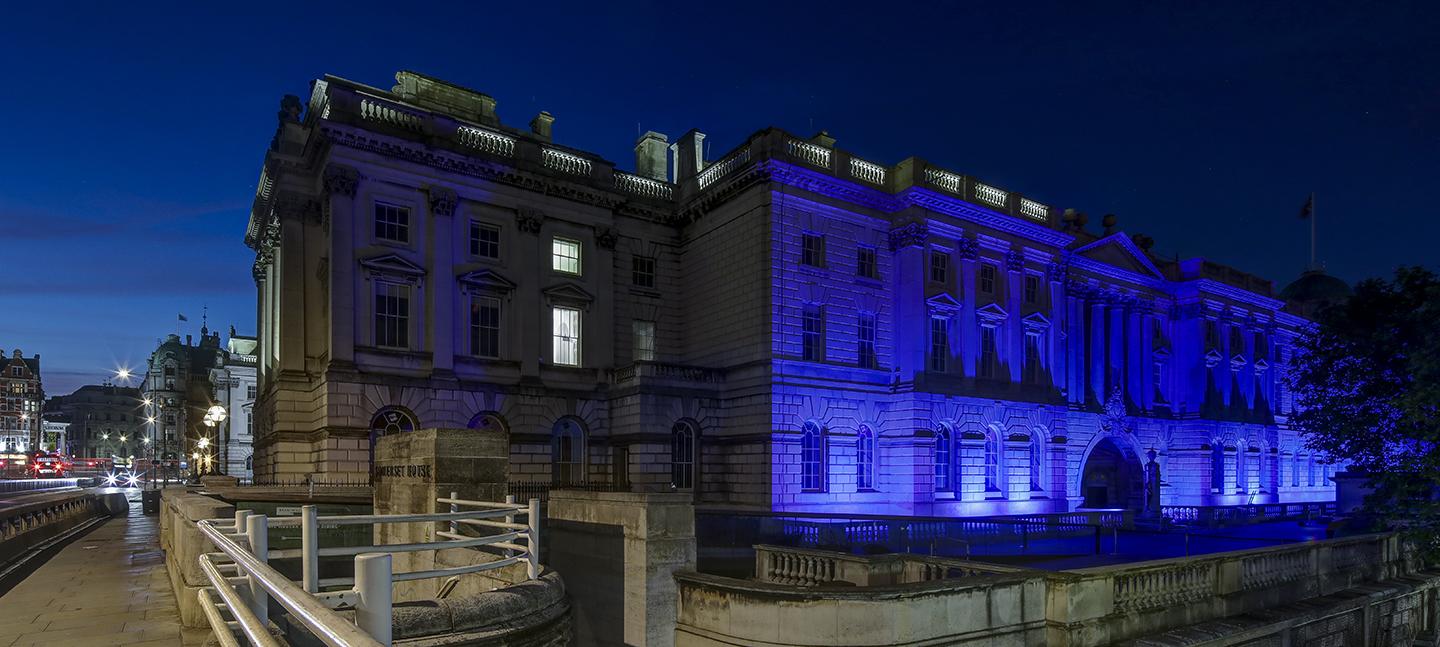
x,y
1366,382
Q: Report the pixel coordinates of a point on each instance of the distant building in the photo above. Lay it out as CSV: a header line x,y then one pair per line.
x,y
183,380
54,433
784,326
102,421
21,400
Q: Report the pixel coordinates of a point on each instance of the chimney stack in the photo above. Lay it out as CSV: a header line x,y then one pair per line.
x,y
541,125
650,156
689,155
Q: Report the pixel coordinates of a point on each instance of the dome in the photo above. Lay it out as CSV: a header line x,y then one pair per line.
x,y
1316,286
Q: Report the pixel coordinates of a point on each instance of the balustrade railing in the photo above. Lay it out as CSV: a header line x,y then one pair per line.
x,y
643,186
1218,515
951,182
1034,210
566,163
809,153
486,140
990,194
722,168
1161,587
681,372
868,171
386,113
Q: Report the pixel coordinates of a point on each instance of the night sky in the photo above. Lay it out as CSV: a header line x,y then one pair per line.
x,y
132,138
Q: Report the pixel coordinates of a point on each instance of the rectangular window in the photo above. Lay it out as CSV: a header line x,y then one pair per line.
x,y
1032,358
1237,343
812,336
812,250
250,392
939,267
1032,289
939,344
484,240
1261,348
644,332
867,341
565,255
1212,334
566,334
485,326
642,271
392,222
987,351
1159,381
865,265
987,278
392,315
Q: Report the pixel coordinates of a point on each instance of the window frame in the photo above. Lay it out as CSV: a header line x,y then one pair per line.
x,y
812,337
988,272
379,319
867,258
939,266
812,458
476,244
402,228
1031,289
866,355
559,260
865,459
943,459
557,338
636,328
637,272
938,359
812,249
476,327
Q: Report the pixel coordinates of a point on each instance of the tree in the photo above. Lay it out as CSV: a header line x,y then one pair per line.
x,y
1366,382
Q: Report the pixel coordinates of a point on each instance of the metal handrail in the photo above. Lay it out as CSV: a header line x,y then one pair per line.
x,y
245,542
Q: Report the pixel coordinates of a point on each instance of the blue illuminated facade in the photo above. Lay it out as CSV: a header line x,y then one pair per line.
x,y
786,326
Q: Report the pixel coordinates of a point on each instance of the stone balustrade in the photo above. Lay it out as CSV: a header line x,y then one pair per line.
x,y
665,371
807,567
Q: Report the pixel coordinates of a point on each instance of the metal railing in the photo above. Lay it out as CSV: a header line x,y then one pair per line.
x,y
244,582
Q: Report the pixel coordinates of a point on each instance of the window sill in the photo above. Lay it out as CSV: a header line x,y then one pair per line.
x,y
644,292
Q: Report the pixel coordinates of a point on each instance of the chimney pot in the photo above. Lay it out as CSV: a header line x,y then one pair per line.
x,y
650,156
823,138
689,155
541,125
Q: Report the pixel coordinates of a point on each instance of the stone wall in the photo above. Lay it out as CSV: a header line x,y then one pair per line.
x,y
183,544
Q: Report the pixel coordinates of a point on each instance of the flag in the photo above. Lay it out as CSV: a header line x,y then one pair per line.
x,y
1309,208
182,318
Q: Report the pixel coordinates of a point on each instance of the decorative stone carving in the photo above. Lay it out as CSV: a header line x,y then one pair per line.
x,y
341,180
909,235
1057,272
529,220
967,248
607,238
290,107
443,201
1116,419
1015,261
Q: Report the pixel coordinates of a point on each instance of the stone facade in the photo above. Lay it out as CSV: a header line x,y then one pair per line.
x,y
21,398
105,421
787,326
183,380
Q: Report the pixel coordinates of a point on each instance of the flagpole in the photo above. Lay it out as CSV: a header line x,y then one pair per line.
x,y
1312,230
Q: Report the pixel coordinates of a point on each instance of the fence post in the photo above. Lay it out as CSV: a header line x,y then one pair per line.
x,y
310,547
372,583
509,518
533,564
454,507
257,532
240,516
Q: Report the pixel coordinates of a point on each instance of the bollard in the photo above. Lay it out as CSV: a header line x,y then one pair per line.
x,y
310,549
533,564
257,529
372,583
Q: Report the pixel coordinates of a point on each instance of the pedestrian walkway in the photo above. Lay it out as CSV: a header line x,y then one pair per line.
x,y
107,588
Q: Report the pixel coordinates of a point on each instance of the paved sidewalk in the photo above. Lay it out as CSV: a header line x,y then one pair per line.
x,y
107,588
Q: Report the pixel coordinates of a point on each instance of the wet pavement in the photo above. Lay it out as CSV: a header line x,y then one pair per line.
x,y
108,587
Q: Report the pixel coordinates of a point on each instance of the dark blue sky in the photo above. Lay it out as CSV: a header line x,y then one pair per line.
x,y
132,137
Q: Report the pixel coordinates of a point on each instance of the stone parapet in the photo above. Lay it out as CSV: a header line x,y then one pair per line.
x,y
180,538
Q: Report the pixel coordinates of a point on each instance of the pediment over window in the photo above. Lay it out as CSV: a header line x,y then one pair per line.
x,y
1212,358
1162,353
1261,365
945,304
392,265
489,280
568,294
991,315
1117,250
1035,322
1237,362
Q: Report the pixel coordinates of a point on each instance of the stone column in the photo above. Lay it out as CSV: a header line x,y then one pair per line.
x,y
1134,351
1115,348
1014,337
534,322
341,184
967,328
441,328
618,553
1098,353
912,321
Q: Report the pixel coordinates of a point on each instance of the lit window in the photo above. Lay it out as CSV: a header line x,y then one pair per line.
x,y
865,265
939,266
485,326
1242,475
644,333
1032,358
987,351
812,458
565,255
1294,470
868,358
812,250
1032,288
865,459
642,271
1217,467
392,315
567,453
392,222
939,344
812,335
987,278
250,392
1310,472
992,462
484,240
1037,462
682,455
566,335
942,458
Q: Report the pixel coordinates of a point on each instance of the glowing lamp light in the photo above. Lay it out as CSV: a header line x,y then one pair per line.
x,y
122,373
216,413
203,443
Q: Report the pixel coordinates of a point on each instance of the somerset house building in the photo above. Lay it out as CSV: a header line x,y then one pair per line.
x,y
785,326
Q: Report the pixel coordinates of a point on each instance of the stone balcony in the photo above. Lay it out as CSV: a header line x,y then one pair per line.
x,y
660,373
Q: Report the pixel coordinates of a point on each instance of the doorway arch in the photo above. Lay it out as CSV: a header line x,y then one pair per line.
x,y
1112,475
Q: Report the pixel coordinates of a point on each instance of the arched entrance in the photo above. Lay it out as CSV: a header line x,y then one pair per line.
x,y
1112,476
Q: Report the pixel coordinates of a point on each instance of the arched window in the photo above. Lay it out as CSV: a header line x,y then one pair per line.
x,y
1037,461
391,420
865,459
1294,470
1310,471
992,461
1217,466
487,421
812,457
943,452
1242,478
682,455
567,452
249,463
